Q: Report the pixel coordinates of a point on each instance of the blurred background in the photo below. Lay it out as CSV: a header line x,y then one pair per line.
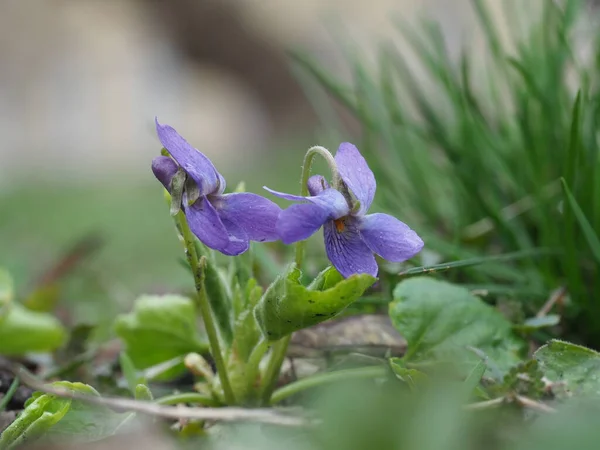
x,y
81,83
82,80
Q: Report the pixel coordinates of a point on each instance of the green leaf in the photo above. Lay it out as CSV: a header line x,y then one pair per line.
x,y
129,371
589,233
218,291
22,331
575,365
84,422
440,321
246,331
537,323
288,306
40,414
143,392
475,376
159,329
412,377
44,298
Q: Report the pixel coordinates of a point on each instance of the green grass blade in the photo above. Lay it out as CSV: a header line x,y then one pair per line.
x,y
574,142
489,27
586,228
481,260
339,91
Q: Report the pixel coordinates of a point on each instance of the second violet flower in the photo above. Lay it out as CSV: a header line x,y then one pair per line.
x,y
351,236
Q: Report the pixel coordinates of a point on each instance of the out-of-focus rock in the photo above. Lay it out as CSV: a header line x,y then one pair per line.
x,y
366,333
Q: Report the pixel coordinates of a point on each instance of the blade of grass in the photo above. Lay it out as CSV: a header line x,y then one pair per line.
x,y
476,261
590,236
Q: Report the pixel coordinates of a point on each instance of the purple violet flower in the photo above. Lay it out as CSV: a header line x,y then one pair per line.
x,y
224,222
351,236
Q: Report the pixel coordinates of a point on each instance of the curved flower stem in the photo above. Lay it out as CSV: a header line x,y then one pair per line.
x,y
203,305
306,166
280,347
325,378
187,397
274,367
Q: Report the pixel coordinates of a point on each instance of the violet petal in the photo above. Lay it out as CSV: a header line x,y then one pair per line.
x,y
205,223
357,175
389,238
347,251
330,199
291,197
238,239
222,184
195,163
300,221
254,214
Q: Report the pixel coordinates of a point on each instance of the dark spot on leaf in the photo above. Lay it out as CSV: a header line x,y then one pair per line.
x,y
311,301
320,315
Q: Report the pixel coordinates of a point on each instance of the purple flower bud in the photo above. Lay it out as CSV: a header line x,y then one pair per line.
x,y
317,184
164,169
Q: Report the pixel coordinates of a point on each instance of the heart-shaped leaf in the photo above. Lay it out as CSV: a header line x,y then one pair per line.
x,y
288,306
42,412
575,365
23,331
59,419
84,421
159,329
440,321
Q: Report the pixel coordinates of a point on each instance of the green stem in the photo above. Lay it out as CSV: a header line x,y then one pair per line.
x,y
204,306
274,367
254,360
280,347
219,300
9,394
187,397
326,378
306,166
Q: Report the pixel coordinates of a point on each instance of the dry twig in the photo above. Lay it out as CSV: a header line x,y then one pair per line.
x,y
270,416
519,399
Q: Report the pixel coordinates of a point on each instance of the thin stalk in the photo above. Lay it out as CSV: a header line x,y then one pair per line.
x,y
274,367
280,347
187,397
204,307
326,378
254,360
9,394
306,166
